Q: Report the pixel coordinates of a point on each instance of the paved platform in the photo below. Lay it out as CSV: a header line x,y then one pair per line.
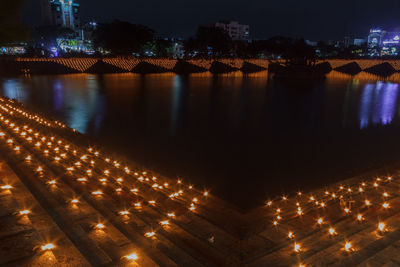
x,y
65,203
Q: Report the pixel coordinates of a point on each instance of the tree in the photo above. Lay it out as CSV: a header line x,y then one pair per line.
x,y
210,40
11,29
299,53
122,37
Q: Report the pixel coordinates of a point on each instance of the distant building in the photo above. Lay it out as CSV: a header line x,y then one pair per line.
x,y
236,31
375,37
352,41
311,43
384,43
61,13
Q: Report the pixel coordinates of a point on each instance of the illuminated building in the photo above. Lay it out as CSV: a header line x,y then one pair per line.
x,y
383,43
235,30
61,13
375,37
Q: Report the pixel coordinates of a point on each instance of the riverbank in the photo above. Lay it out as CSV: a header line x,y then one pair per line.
x,y
96,210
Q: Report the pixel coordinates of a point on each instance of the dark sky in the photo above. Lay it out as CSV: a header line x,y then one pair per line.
x,y
312,19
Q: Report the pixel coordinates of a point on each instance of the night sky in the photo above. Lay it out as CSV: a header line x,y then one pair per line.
x,y
312,19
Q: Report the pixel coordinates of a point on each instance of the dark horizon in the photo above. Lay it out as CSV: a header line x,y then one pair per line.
x,y
313,20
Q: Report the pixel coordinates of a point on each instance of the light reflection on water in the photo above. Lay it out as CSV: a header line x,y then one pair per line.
x,y
219,130
378,103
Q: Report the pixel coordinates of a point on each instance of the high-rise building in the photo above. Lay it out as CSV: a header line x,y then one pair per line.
x,y
61,13
235,30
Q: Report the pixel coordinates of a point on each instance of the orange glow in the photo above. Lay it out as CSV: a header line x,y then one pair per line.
x,y
48,246
348,247
297,247
165,222
24,212
149,234
332,231
132,257
381,226
100,226
290,235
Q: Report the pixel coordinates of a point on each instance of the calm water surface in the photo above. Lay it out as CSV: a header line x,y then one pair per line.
x,y
245,138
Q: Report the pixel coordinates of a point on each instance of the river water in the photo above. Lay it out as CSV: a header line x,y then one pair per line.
x,y
246,138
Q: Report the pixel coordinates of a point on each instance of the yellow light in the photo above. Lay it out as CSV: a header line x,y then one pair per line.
x,y
290,235
24,212
100,226
299,211
360,217
367,202
52,182
332,231
275,222
347,210
132,257
149,234
385,194
124,212
205,193
278,210
297,247
82,179
385,205
165,222
348,247
98,192
152,202
74,201
171,214
381,226
47,247
6,187
320,220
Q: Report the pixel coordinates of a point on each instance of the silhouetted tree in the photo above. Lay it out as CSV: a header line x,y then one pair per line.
x,y
299,53
11,29
210,41
122,37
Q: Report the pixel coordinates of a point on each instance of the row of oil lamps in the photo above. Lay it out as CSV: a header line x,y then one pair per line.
x,y
30,136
